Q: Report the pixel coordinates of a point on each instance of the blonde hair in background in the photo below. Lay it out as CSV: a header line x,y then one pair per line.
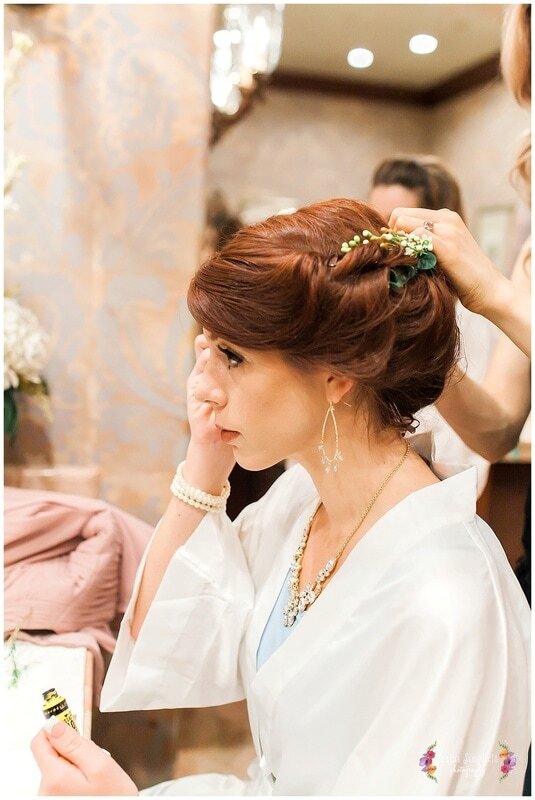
x,y
516,71
516,52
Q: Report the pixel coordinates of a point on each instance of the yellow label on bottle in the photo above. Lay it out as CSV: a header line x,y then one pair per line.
x,y
56,706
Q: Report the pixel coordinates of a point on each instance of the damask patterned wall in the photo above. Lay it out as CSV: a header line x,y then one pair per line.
x,y
112,113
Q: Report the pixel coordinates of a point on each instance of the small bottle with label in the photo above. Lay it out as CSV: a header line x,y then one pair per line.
x,y
54,705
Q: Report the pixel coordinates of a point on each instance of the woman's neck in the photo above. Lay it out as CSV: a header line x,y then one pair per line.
x,y
367,461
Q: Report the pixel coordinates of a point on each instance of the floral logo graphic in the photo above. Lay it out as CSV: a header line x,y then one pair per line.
x,y
509,760
426,762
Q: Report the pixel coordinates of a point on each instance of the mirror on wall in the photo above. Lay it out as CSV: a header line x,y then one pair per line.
x,y
360,83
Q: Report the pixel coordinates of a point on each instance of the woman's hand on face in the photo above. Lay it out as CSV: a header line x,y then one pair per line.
x,y
71,765
201,414
476,279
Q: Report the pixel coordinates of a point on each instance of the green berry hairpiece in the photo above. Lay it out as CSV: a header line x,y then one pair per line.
x,y
413,245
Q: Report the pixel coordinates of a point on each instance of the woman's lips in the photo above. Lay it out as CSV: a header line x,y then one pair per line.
x,y
229,436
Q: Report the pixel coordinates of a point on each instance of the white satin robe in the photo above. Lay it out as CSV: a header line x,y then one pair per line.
x,y
421,638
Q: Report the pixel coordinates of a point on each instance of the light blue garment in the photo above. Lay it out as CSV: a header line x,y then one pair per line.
x,y
275,632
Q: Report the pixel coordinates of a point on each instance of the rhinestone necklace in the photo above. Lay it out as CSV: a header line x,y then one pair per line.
x,y
299,601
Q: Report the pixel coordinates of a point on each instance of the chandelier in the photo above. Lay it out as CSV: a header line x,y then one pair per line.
x,y
247,48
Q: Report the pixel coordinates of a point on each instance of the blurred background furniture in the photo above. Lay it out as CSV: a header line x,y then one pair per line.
x,y
67,479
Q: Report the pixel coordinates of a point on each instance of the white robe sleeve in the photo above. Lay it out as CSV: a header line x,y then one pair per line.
x,y
454,680
478,339
187,651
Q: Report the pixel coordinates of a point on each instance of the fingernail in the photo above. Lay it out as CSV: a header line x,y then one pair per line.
x,y
55,727
106,751
60,728
49,723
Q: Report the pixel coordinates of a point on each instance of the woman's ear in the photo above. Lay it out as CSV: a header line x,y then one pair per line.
x,y
337,387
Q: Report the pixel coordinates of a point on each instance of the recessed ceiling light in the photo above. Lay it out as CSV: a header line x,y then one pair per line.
x,y
423,44
360,58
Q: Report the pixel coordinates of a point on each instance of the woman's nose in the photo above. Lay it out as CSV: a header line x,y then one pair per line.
x,y
207,389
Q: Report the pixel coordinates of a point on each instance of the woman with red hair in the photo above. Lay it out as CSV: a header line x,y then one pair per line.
x,y
355,604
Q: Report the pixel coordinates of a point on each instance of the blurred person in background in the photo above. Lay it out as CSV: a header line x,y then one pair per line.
x,y
414,181
423,181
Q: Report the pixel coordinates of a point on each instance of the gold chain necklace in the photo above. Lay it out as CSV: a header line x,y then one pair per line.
x,y
299,601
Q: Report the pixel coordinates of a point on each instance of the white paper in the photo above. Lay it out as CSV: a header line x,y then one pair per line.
x,y
62,668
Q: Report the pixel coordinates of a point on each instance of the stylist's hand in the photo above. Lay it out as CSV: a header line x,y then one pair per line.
x,y
71,765
476,279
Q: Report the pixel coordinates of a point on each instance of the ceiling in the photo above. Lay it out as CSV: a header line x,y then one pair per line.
x,y
318,37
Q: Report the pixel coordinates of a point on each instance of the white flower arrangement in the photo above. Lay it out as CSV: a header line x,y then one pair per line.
x,y
26,351
25,346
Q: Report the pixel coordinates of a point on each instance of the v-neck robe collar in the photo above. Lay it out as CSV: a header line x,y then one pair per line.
x,y
451,500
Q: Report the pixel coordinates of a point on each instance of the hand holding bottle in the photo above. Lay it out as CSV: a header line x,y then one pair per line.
x,y
73,766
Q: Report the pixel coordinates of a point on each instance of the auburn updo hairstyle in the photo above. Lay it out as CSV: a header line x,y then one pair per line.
x,y
283,285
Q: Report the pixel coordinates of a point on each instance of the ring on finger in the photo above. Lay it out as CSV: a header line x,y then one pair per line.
x,y
428,225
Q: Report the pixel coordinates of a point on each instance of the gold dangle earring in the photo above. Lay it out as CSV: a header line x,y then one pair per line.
x,y
325,460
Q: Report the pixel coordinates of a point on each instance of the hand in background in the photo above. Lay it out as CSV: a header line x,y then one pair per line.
x,y
71,765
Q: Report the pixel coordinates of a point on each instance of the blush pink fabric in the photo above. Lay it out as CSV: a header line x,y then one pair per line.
x,y
70,564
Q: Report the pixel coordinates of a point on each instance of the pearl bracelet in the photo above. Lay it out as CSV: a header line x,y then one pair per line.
x,y
196,497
